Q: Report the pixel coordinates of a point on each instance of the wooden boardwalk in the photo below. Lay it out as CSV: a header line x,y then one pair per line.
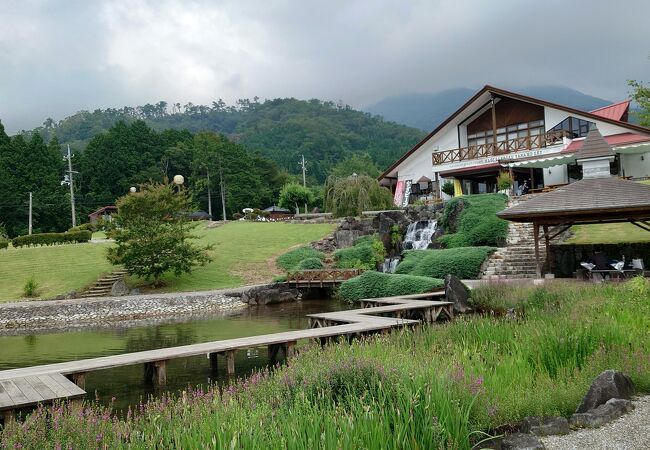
x,y
376,315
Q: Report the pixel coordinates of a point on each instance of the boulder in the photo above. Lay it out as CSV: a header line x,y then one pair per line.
x,y
597,417
521,441
120,288
457,292
270,294
607,385
545,426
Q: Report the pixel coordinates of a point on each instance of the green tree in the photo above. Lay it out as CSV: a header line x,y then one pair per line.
x,y
361,164
351,195
641,96
294,195
153,234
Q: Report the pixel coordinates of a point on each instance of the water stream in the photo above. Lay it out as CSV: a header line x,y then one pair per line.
x,y
126,383
419,234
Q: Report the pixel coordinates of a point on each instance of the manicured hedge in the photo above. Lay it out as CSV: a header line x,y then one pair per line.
x,y
82,227
373,284
4,243
291,259
309,264
69,237
471,221
464,262
366,253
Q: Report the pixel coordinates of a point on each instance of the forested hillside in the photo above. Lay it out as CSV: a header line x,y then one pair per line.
x,y
280,130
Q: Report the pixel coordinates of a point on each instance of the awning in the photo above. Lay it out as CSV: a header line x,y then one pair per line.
x,y
643,147
542,163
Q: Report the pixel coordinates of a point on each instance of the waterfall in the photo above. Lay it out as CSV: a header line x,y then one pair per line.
x,y
390,264
418,234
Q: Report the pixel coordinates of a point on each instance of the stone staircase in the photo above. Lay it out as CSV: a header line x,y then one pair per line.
x,y
103,286
517,259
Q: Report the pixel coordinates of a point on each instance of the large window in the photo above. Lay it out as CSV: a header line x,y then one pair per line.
x,y
515,131
576,127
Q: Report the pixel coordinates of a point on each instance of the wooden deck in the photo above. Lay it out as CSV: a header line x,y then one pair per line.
x,y
27,391
376,315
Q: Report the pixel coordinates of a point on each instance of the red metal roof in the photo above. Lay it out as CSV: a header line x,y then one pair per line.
x,y
614,140
615,111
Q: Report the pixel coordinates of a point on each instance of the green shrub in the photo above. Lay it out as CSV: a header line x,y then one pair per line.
x,y
68,237
4,243
373,284
280,278
309,264
464,262
30,289
504,181
83,227
448,188
367,252
471,221
291,259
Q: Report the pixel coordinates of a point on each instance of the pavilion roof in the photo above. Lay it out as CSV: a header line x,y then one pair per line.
x,y
594,146
590,200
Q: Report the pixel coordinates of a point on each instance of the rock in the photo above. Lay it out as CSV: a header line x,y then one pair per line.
x,y
120,288
494,443
521,441
457,292
607,385
270,294
545,426
597,417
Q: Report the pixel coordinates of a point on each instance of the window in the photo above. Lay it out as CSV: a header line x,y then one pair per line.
x,y
518,130
576,127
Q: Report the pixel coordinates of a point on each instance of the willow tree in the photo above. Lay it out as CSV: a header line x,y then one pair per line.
x,y
350,195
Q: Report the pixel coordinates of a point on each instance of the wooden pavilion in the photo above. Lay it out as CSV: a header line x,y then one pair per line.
x,y
597,198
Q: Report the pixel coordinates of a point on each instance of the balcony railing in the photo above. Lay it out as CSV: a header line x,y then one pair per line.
x,y
499,148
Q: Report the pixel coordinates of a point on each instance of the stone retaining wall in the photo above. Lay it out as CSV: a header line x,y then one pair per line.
x,y
54,314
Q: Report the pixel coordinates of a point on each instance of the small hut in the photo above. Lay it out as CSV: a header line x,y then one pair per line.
x,y
105,213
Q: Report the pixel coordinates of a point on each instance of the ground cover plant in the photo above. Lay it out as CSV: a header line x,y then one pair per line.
x,y
366,253
607,233
373,284
442,386
464,262
291,260
471,221
244,252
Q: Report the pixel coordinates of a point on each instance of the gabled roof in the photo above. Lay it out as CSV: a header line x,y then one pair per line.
x,y
103,209
613,140
525,98
592,199
615,111
594,146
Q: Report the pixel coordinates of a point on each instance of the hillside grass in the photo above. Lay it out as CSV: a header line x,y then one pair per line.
x,y
463,262
475,221
607,233
243,253
440,386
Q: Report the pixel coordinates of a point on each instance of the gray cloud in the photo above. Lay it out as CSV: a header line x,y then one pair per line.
x,y
57,57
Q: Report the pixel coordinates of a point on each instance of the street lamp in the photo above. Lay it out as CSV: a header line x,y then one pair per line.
x,y
178,181
132,189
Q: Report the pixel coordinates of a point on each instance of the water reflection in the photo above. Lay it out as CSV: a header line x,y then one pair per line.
x,y
126,383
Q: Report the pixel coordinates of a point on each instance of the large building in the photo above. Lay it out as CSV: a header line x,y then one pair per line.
x,y
500,131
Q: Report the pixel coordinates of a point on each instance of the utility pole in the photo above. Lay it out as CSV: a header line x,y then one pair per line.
x,y
69,180
222,188
207,171
30,213
304,178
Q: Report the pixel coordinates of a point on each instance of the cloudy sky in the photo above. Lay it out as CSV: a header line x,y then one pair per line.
x,y
61,56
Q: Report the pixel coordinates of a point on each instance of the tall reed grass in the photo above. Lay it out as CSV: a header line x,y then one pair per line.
x,y
440,386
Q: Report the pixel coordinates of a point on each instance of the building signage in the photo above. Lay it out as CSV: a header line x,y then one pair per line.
x,y
496,159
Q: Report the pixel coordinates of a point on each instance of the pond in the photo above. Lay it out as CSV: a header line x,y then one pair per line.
x,y
126,383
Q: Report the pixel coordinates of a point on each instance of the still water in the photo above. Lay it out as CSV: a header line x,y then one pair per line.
x,y
126,383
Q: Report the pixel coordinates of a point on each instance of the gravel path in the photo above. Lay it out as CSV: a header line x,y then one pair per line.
x,y
630,432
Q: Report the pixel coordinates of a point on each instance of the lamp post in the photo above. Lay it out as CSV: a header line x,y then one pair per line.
x,y
132,189
178,181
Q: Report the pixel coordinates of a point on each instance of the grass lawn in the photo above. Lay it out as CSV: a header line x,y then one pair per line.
x,y
57,269
244,252
609,233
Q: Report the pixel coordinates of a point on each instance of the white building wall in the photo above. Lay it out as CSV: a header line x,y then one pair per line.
x,y
633,166
419,164
556,175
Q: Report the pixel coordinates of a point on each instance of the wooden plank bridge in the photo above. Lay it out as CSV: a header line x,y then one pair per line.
x,y
28,386
321,277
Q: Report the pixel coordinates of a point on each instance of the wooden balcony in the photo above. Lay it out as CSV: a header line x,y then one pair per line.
x,y
500,148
